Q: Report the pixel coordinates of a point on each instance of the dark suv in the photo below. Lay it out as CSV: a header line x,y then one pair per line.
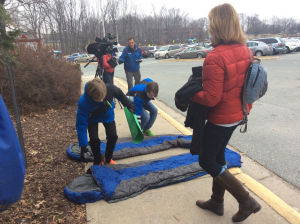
x,y
277,43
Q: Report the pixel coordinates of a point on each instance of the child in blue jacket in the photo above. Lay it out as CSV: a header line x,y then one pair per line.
x,y
96,106
140,95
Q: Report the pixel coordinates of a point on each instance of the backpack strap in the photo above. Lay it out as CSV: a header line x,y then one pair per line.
x,y
244,97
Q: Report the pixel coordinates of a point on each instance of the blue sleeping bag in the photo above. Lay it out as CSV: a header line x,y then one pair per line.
x,y
12,165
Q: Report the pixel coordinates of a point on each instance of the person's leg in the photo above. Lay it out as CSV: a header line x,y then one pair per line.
x,y
145,117
137,77
107,77
215,139
94,142
112,137
153,114
129,79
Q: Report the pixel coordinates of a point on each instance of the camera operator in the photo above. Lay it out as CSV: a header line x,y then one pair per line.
x,y
131,57
109,71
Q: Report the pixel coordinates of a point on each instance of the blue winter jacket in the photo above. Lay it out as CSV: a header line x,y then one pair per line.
x,y
129,57
91,111
138,96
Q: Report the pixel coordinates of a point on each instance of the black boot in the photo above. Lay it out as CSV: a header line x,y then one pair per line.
x,y
95,146
216,203
247,204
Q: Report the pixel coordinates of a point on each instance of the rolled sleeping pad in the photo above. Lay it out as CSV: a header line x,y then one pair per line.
x,y
134,127
12,165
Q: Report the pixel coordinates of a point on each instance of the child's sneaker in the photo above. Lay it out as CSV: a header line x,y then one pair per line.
x,y
149,132
111,161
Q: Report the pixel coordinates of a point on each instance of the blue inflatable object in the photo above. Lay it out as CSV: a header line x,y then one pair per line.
x,y
12,165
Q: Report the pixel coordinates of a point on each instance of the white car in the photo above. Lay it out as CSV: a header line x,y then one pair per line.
x,y
118,51
290,46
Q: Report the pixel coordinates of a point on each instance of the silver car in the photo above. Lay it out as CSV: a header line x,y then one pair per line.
x,y
193,52
167,51
152,50
259,48
84,58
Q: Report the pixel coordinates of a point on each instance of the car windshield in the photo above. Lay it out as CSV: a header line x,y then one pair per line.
x,y
165,48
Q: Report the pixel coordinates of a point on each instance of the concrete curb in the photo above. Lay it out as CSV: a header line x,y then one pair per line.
x,y
290,214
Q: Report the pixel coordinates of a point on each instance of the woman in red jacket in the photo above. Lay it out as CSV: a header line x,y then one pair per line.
x,y
109,71
223,77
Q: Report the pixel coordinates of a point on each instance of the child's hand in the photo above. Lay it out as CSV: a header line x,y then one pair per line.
x,y
131,108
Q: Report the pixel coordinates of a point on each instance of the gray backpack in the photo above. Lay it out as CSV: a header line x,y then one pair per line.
x,y
255,86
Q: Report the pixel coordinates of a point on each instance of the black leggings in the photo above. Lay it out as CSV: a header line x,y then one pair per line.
x,y
215,139
111,136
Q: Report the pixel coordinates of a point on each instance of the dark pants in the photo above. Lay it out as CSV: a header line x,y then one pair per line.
x,y
111,136
215,139
108,77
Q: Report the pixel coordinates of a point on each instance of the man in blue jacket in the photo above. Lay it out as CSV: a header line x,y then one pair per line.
x,y
140,95
95,106
132,57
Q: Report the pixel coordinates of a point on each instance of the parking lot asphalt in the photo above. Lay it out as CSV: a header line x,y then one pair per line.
x,y
273,132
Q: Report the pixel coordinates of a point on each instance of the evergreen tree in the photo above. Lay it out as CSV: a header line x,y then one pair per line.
x,y
7,38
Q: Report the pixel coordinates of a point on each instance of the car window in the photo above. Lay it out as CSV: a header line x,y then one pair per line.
x,y
145,48
151,48
171,48
165,48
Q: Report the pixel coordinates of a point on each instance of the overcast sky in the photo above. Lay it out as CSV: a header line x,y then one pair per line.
x,y
197,9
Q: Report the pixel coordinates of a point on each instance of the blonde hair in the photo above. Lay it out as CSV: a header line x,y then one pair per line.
x,y
224,26
96,89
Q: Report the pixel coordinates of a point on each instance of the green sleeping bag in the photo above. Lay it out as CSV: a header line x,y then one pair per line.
x,y
135,129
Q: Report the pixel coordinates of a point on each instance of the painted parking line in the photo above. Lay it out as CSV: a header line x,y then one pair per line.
x,y
290,214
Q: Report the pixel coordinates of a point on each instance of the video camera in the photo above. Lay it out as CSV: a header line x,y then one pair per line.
x,y
102,46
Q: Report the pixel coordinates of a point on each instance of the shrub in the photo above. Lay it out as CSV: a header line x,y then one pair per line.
x,y
42,82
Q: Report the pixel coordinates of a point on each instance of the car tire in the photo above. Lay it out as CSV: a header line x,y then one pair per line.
x,y
286,50
199,56
274,52
156,58
151,55
177,57
75,61
166,56
259,53
87,60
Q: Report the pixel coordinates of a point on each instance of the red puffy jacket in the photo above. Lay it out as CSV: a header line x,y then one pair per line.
x,y
106,66
223,77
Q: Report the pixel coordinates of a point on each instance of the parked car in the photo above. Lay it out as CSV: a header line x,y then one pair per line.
x,y
278,44
207,45
73,56
145,51
290,46
259,48
193,52
84,58
152,50
297,42
118,51
167,51
185,46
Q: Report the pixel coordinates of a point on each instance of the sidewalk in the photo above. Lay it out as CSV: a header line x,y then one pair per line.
x,y
176,203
